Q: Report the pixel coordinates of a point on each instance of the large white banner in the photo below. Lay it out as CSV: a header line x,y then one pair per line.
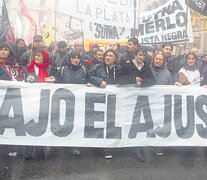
x,y
110,12
76,115
114,20
166,24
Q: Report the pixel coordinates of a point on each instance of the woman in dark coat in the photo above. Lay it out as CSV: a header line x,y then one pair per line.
x,y
74,72
9,69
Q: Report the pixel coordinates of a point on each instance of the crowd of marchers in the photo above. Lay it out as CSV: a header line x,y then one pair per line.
x,y
60,64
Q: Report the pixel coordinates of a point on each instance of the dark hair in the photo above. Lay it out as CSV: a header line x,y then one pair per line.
x,y
140,48
190,53
50,48
98,50
75,54
18,40
167,44
134,41
39,50
11,54
111,50
118,45
62,44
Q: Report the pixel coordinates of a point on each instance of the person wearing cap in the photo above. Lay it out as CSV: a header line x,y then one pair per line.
x,y
59,57
84,57
28,56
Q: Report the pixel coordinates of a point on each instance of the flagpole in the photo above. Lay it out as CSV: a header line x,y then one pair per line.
x,y
55,21
186,27
135,10
8,21
138,21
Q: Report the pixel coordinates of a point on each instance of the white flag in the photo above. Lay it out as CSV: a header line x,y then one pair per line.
x,y
18,28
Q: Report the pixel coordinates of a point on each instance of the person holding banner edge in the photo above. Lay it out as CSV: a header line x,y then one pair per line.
x,y
138,73
39,71
9,69
103,74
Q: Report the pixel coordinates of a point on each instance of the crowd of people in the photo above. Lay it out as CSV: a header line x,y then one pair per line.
x,y
135,66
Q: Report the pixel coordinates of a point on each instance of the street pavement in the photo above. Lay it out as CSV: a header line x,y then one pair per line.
x,y
177,163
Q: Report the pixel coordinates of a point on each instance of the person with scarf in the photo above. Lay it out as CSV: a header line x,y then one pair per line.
x,y
39,69
189,74
9,69
28,56
158,67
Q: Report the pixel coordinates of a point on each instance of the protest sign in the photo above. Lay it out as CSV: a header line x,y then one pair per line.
x,y
164,24
76,115
199,22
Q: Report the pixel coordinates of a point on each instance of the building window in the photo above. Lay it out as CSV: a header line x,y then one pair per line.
x,y
42,2
7,1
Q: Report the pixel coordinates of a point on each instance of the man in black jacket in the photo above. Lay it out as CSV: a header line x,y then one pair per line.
x,y
172,64
59,57
129,55
96,59
136,71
